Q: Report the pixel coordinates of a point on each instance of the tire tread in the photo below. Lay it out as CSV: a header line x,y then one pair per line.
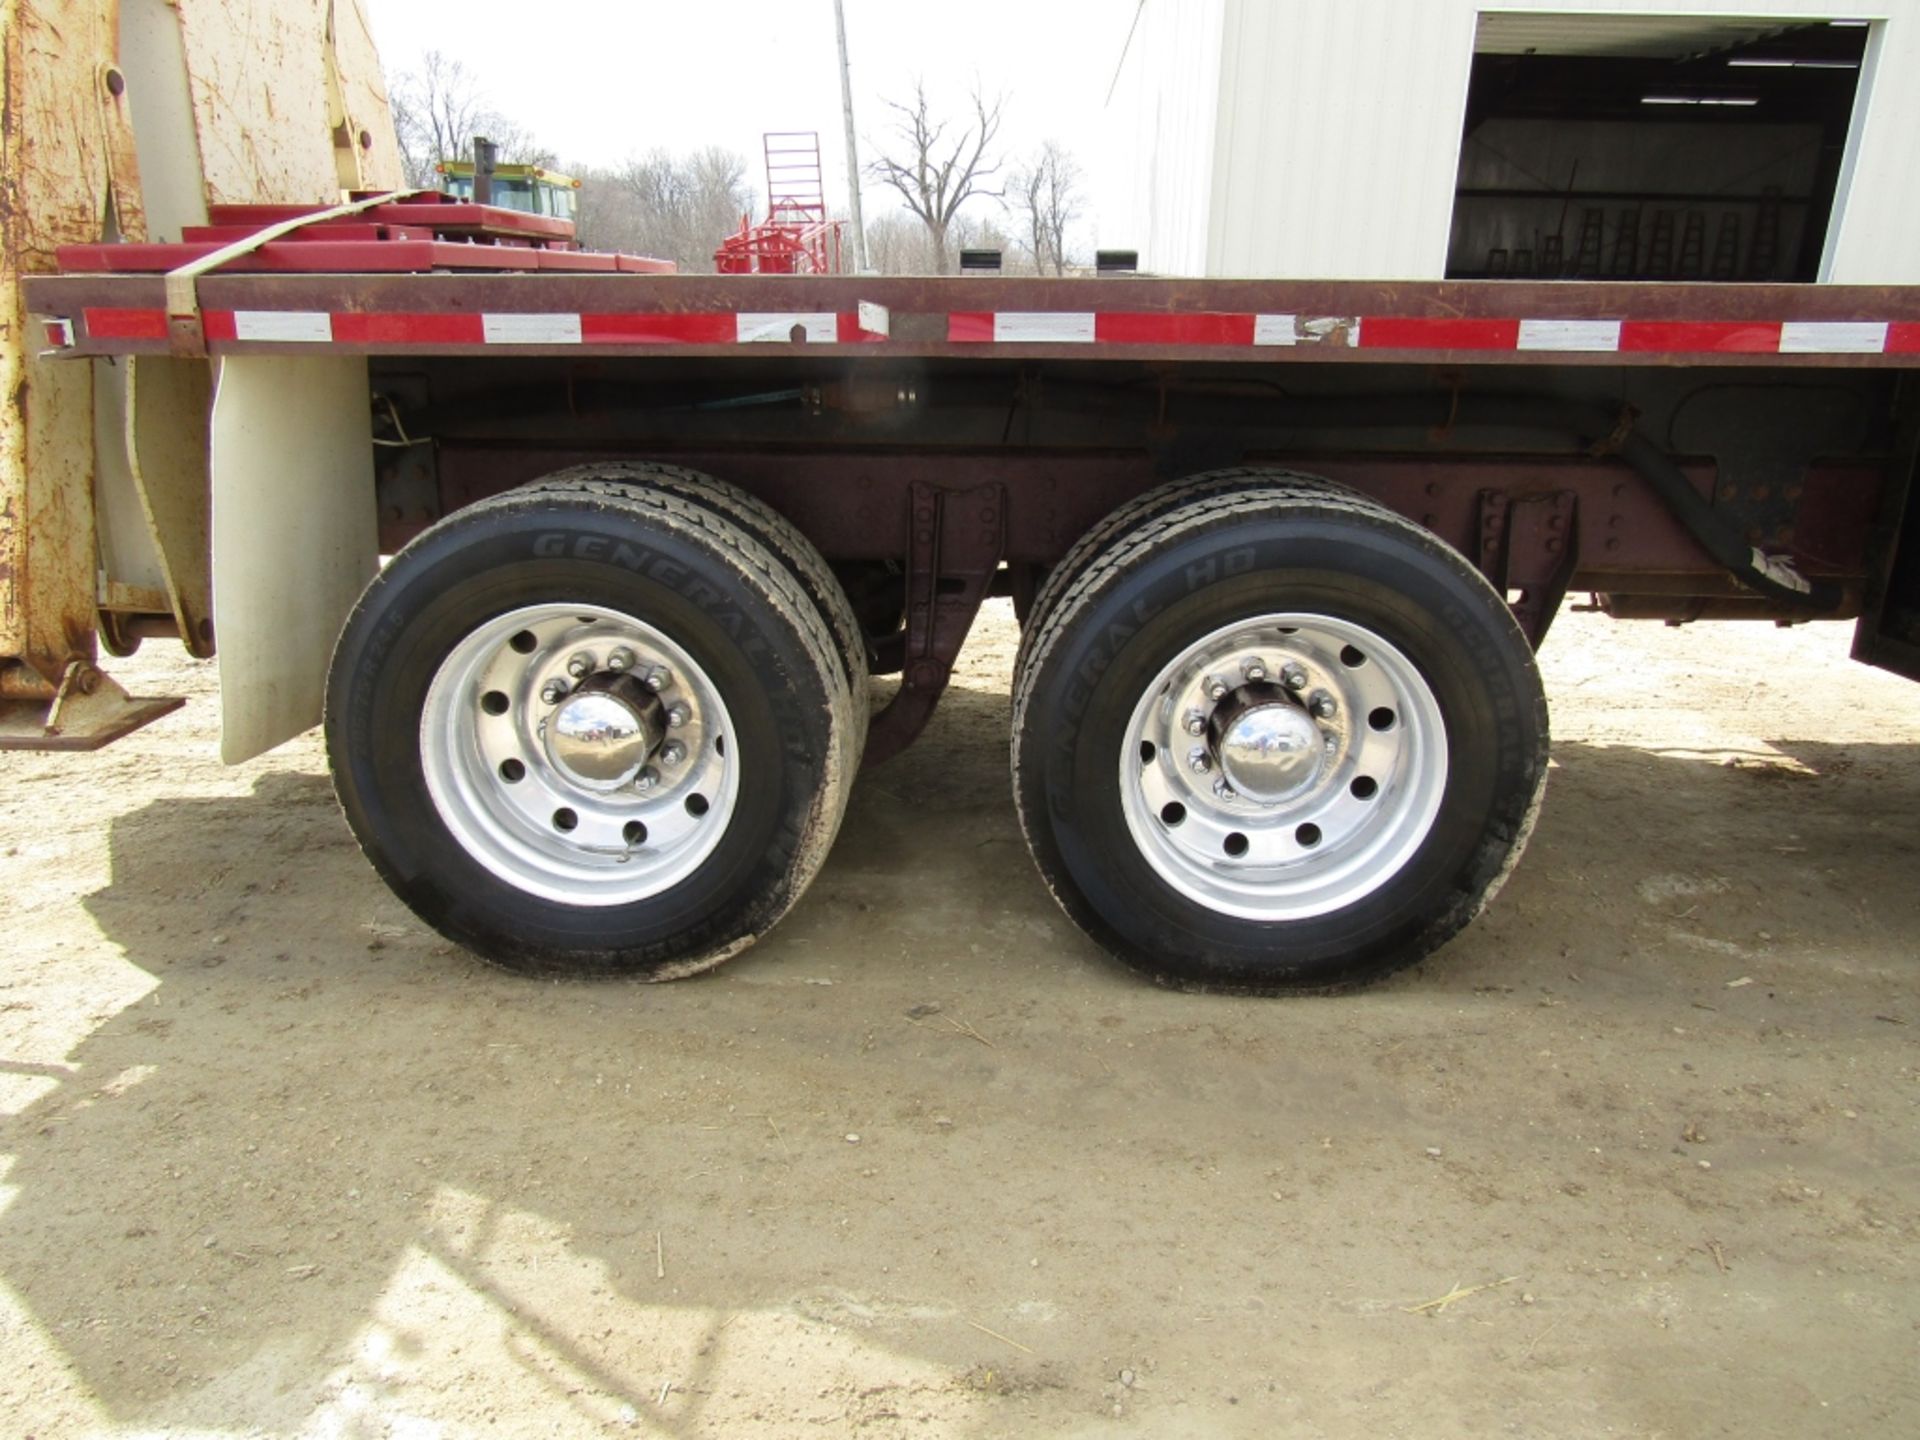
x,y
1148,506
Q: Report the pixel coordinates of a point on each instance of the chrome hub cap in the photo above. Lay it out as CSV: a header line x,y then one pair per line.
x,y
1269,750
601,735
1283,767
579,754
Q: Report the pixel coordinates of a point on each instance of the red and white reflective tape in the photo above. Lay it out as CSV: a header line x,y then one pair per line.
x,y
1414,332
871,324
348,327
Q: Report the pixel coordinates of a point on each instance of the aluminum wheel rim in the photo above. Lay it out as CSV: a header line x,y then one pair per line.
x,y
1358,811
487,752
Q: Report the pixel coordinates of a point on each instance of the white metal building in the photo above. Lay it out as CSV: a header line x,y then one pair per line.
x,y
1418,139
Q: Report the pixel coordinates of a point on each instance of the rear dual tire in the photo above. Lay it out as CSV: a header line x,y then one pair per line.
x,y
1392,821
451,709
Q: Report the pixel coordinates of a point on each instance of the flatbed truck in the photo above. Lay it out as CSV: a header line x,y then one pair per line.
x,y
589,575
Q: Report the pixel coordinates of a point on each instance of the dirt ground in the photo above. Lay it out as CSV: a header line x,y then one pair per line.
x,y
279,1161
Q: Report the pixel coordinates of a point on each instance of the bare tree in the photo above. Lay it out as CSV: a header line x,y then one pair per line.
x,y
437,110
898,244
1044,197
675,207
933,176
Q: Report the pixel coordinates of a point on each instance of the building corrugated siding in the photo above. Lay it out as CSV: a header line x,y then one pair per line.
x,y
1336,126
1338,137
1169,86
1876,218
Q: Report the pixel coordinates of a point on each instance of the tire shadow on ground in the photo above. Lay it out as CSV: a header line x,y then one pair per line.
x,y
214,1202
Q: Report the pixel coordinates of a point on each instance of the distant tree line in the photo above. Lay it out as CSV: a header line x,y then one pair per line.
x,y
956,188
676,207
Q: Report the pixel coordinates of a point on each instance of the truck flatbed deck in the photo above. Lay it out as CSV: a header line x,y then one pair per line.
x,y
1282,549
1479,322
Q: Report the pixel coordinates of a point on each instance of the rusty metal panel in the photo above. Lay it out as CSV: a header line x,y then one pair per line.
x,y
129,213
269,83
87,710
54,186
51,507
70,171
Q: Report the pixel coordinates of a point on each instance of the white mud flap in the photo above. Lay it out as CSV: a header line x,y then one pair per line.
x,y
295,536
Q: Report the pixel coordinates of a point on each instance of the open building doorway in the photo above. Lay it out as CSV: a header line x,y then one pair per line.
x,y
1645,147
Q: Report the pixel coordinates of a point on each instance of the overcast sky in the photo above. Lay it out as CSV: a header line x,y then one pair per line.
x,y
599,80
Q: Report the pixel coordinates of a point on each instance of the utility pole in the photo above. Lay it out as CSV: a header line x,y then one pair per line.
x,y
853,149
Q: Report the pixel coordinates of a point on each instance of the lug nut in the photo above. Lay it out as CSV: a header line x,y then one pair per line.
x,y
677,715
1294,677
1323,705
1199,762
621,659
673,752
554,691
1222,789
1254,670
1216,688
658,678
1196,723
580,666
646,779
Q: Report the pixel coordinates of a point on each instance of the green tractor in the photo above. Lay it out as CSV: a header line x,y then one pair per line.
x,y
529,188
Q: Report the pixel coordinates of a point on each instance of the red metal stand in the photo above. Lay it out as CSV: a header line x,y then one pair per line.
x,y
797,237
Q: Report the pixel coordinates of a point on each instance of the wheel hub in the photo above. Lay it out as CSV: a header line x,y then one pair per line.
x,y
1283,766
579,753
1266,745
604,732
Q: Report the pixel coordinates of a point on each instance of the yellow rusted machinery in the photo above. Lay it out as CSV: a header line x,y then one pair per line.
x,y
126,119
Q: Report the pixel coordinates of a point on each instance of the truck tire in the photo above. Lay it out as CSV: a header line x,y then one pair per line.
x,y
1150,505
1277,739
592,727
